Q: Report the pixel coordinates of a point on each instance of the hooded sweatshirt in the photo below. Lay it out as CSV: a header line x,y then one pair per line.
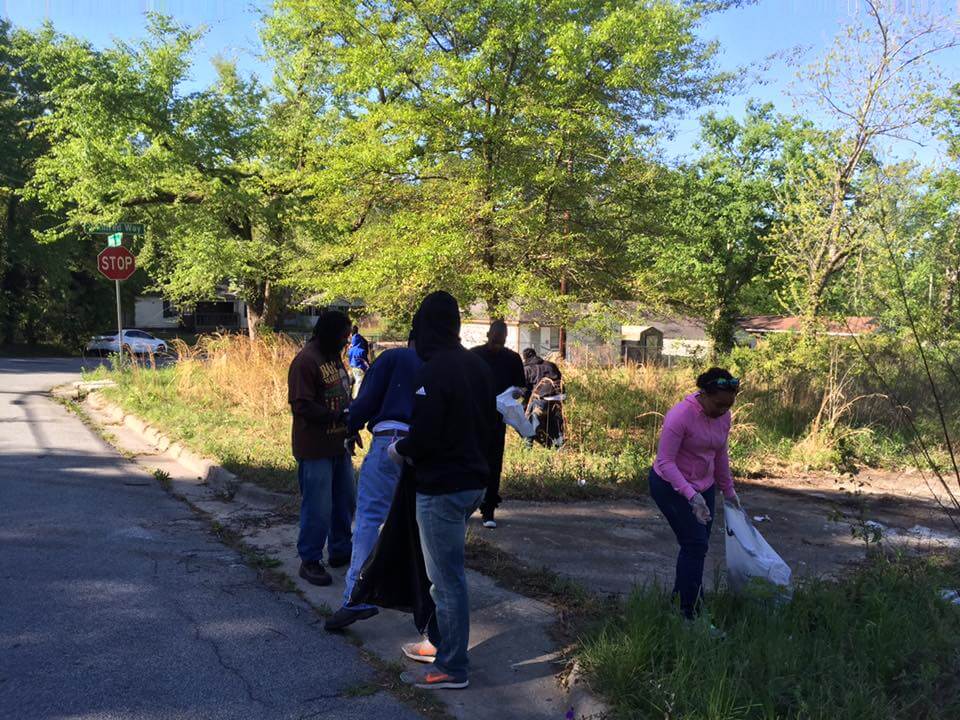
x,y
693,451
357,354
454,408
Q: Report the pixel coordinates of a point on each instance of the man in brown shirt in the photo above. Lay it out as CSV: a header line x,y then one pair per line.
x,y
319,393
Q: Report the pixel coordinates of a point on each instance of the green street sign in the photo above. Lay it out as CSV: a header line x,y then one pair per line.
x,y
115,240
126,228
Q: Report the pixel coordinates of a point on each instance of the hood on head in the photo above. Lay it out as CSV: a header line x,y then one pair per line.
x,y
436,326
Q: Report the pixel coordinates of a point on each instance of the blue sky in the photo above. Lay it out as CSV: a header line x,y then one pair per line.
x,y
755,39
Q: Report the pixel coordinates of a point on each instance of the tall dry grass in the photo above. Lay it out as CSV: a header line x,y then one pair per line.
x,y
250,376
227,396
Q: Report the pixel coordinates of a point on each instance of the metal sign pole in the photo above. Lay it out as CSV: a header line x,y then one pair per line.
x,y
119,326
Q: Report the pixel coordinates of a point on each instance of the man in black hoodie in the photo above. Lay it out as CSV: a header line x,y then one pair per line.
x,y
449,445
507,368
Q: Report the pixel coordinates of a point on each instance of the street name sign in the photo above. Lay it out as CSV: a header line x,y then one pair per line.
x,y
128,228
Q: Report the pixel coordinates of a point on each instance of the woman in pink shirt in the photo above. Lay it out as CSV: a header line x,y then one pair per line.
x,y
692,460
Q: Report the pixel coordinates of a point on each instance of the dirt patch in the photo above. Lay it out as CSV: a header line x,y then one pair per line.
x,y
611,546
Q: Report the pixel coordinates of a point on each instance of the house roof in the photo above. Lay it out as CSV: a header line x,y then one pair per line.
x,y
672,327
763,324
318,301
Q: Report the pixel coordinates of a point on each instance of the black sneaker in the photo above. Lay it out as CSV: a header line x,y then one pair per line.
x,y
314,573
346,616
340,561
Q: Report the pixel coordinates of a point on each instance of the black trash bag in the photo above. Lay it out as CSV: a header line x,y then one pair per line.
x,y
395,576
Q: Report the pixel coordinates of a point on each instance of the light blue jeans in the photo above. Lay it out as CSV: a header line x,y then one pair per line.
x,y
327,502
443,528
379,476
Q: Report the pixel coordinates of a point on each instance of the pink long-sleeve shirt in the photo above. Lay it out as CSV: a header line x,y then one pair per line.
x,y
692,454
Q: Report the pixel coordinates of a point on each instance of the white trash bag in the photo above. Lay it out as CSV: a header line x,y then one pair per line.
x,y
514,415
750,557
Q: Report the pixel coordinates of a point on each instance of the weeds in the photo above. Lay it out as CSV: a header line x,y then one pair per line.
x,y
883,644
804,407
163,478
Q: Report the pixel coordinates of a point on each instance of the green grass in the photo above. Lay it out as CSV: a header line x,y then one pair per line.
x,y
256,448
879,645
573,473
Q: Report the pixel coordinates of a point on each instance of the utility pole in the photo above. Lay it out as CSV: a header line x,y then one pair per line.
x,y
563,276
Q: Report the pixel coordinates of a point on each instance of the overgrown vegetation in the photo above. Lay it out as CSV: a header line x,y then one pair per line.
x,y
803,407
881,644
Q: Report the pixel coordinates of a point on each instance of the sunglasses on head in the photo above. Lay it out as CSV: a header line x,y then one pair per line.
x,y
726,384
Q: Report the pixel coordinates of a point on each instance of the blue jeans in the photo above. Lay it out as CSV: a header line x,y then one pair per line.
x,y
327,502
693,537
379,476
443,527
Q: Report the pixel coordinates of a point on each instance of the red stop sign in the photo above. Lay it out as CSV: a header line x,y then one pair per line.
x,y
116,263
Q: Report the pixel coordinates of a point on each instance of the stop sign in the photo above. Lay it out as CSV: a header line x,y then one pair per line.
x,y
116,263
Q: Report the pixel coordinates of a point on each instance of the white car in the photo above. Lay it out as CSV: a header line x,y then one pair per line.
x,y
137,342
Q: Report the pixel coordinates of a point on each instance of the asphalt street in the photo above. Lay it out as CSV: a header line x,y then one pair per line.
x,y
116,601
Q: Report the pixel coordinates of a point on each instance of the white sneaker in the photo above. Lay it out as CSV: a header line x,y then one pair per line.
x,y
422,652
490,524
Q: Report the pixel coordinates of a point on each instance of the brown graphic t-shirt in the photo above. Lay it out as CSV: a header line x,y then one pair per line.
x,y
318,389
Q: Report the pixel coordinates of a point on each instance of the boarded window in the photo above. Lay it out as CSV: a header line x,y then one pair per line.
x,y
554,338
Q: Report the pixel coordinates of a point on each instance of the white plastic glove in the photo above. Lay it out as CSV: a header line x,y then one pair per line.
x,y
700,510
393,454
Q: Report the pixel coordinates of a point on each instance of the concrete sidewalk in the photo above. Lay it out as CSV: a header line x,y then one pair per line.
x,y
515,660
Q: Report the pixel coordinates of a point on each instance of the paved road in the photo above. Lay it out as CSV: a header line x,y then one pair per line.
x,y
116,602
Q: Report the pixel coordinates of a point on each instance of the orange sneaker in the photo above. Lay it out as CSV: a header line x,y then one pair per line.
x,y
430,679
422,651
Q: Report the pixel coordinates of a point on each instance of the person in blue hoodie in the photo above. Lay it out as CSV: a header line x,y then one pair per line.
x,y
385,405
358,355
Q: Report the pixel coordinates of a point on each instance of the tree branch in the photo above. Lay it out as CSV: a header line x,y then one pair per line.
x,y
163,197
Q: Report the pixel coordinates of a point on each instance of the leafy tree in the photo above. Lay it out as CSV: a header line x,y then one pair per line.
x,y
201,169
945,196
48,291
873,83
718,214
482,145
916,234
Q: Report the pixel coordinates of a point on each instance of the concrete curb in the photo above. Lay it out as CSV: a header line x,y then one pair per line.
x,y
219,479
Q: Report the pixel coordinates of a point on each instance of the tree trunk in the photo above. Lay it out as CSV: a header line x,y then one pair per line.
x,y
274,305
563,327
254,320
950,290
265,307
255,296
563,277
722,329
